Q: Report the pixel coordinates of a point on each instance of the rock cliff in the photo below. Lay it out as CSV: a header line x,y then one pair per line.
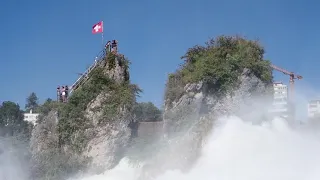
x,y
110,131
91,131
196,102
108,141
214,81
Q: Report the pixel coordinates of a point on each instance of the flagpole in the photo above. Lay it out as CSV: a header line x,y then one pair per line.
x,y
102,35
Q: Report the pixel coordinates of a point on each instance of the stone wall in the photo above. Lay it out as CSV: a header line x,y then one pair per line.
x,y
150,129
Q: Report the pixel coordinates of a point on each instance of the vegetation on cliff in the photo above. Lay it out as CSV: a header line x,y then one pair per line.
x,y
72,122
115,95
219,65
11,119
72,114
15,134
59,142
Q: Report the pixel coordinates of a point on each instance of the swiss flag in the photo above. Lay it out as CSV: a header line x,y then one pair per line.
x,y
97,28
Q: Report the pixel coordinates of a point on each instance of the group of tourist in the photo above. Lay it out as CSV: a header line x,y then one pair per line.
x,y
62,93
112,46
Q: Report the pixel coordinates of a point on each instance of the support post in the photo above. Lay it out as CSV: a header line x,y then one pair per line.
x,y
102,38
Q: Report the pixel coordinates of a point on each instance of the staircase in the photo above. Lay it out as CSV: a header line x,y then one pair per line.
x,y
85,76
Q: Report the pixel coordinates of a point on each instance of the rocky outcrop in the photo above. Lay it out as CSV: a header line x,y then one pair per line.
x,y
108,141
115,67
188,120
96,137
44,135
251,94
44,145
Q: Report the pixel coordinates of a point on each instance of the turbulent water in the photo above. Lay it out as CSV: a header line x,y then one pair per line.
x,y
238,150
12,164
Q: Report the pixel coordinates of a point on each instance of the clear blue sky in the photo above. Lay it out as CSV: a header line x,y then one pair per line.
x,y
45,43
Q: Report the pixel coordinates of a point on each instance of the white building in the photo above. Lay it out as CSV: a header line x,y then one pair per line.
x,y
31,117
313,108
280,106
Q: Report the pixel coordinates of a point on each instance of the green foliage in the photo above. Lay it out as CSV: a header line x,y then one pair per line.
x,y
45,147
71,115
147,112
32,102
98,83
111,58
46,107
48,100
11,120
70,128
123,96
73,123
219,64
124,62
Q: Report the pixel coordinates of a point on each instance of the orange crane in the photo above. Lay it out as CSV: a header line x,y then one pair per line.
x,y
292,76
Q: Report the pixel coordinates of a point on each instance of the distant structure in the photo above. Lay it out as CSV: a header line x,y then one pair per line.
x,y
280,105
31,117
313,108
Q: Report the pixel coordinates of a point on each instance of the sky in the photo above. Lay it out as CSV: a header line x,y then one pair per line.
x,y
44,44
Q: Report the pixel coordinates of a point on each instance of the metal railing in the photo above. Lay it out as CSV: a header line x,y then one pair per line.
x,y
84,77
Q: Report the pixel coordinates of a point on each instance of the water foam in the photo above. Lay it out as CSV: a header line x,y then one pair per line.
x,y
238,150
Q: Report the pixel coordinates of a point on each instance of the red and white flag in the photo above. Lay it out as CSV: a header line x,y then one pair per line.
x,y
97,28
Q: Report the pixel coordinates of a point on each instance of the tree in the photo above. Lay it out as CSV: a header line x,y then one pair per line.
x,y
49,100
147,111
32,102
11,118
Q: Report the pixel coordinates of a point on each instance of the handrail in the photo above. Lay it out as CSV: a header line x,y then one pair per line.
x,y
82,79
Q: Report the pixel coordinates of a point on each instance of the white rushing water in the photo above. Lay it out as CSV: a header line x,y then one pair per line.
x,y
238,150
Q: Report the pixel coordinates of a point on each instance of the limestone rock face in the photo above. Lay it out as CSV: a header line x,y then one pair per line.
x,y
44,135
115,68
189,120
106,137
110,139
195,104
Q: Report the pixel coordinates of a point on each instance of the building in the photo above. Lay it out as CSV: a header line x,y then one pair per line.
x,y
313,108
31,117
280,105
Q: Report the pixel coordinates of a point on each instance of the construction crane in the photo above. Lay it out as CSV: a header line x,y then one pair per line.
x,y
292,76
